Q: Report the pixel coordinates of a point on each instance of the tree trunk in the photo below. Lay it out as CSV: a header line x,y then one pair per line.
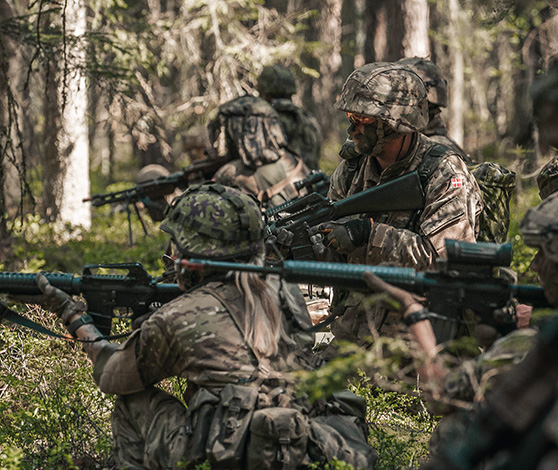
x,y
416,22
66,166
399,28
456,94
329,31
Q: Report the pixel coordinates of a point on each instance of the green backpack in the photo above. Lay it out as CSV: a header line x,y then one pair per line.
x,y
496,183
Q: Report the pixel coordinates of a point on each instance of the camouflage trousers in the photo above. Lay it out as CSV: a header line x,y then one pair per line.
x,y
148,430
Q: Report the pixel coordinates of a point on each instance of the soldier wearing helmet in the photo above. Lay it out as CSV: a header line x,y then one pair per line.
x,y
226,335
276,85
386,105
248,130
437,96
545,109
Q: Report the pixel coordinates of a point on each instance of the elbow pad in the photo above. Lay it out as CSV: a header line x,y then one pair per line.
x,y
116,371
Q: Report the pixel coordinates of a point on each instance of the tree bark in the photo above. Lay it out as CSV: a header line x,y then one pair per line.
x,y
456,94
416,22
66,165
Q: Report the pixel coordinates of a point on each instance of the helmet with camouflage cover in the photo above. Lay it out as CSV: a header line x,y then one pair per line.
x,y
248,128
544,93
390,92
276,81
547,179
216,222
539,227
432,77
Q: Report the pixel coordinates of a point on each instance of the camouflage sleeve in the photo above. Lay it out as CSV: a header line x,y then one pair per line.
x,y
453,202
337,186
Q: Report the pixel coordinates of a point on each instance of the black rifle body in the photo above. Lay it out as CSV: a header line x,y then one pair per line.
x,y
135,291
156,188
402,194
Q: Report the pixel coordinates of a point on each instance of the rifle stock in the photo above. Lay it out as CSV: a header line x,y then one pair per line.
x,y
402,194
135,291
466,280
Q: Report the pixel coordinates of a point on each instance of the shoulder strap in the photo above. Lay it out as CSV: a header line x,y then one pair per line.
x,y
430,163
233,301
295,175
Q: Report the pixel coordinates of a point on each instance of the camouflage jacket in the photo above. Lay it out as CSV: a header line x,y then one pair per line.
x,y
196,337
453,203
271,183
408,239
302,131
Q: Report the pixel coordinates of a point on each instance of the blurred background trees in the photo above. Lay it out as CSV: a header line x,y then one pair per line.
x,y
92,90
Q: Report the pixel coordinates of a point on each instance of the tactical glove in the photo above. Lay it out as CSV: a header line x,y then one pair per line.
x,y
344,235
57,301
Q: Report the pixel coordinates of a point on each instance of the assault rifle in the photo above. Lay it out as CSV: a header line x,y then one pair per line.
x,y
157,188
402,194
134,291
467,279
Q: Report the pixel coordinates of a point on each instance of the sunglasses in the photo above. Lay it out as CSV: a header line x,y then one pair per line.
x,y
357,119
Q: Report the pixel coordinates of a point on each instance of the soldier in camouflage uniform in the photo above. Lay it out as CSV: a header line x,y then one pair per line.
x,y
387,107
514,380
516,425
436,86
437,96
545,108
221,334
247,129
276,85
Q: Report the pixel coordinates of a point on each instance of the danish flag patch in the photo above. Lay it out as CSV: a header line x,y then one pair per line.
x,y
456,182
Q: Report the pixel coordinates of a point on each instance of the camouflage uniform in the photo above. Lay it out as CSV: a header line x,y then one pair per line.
x,y
515,426
407,239
200,337
276,84
248,130
194,337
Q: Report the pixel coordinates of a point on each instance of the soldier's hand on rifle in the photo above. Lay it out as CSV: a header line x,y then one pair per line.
x,y
57,301
343,235
407,302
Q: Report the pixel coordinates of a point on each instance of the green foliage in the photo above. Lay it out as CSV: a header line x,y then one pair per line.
x,y
61,248
51,414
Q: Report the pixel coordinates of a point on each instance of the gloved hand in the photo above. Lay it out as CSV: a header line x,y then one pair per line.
x,y
57,301
344,235
407,302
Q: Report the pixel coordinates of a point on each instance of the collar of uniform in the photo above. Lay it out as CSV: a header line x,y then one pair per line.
x,y
401,167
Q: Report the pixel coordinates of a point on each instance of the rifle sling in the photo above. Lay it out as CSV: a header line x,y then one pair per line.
x,y
294,175
10,315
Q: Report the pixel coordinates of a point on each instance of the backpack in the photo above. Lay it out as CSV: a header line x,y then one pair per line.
x,y
496,183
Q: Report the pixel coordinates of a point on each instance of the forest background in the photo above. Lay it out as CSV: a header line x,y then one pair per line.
x,y
93,90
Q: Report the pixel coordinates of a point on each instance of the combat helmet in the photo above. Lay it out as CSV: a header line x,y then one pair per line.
x,y
547,179
436,84
248,128
215,222
389,91
276,81
539,227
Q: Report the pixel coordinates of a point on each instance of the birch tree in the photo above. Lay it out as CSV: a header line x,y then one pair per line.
x,y
66,165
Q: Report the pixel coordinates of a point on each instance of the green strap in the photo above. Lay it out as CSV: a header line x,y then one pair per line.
x,y
10,315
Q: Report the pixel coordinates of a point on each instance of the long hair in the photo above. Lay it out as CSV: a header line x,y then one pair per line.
x,y
263,325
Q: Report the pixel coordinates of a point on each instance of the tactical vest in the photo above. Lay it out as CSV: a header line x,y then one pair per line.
x,y
258,425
